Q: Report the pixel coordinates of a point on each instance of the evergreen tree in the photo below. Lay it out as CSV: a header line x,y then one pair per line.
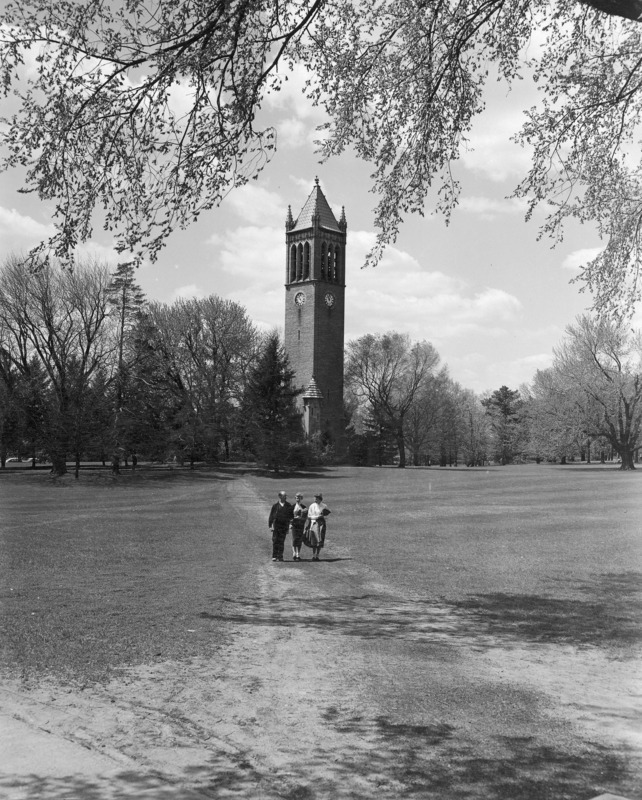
x,y
271,420
504,407
127,301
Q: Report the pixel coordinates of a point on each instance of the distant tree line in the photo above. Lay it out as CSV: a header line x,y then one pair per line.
x,y
586,406
90,370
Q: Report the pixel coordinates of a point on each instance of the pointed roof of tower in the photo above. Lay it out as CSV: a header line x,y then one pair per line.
x,y
316,204
313,391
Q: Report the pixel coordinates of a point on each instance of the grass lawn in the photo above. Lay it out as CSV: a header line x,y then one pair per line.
x,y
101,573
483,625
454,533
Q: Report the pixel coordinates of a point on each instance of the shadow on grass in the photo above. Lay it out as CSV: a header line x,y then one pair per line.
x,y
322,560
610,617
367,616
612,614
378,758
437,760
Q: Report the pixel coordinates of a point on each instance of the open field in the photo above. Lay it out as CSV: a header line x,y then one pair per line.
x,y
470,633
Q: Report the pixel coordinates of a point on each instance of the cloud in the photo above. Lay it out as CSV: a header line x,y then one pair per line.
x,y
292,113
94,251
402,294
490,209
187,292
474,371
293,96
491,153
19,230
293,132
254,252
399,294
257,205
578,258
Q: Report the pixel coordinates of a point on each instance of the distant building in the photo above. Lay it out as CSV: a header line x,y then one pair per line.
x,y
315,313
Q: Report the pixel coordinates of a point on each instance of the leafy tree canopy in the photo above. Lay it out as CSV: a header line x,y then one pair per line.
x,y
146,109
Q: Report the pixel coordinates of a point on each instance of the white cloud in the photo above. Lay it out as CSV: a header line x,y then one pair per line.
x,y
20,230
578,258
292,96
425,304
254,253
403,295
294,115
474,370
250,262
293,132
94,251
491,153
256,205
489,209
187,292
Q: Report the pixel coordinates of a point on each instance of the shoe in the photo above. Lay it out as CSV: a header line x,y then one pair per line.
x,y
274,559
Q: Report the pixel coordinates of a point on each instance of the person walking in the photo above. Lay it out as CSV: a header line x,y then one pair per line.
x,y
297,525
314,535
278,522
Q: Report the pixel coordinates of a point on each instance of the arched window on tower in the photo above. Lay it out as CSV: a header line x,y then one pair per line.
x,y
292,263
323,260
299,262
338,264
329,268
306,261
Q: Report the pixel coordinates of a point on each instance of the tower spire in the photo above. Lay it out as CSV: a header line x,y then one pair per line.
x,y
315,314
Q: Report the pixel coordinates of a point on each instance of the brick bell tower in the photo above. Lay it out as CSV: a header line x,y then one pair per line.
x,y
314,314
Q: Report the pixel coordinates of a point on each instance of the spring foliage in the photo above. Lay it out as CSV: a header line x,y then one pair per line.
x,y
146,110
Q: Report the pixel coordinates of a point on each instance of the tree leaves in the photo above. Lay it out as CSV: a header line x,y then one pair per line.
x,y
145,111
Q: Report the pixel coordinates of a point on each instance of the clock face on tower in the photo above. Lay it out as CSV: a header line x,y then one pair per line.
x,y
300,298
329,299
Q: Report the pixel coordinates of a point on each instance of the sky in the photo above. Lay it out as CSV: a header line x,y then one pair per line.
x,y
492,299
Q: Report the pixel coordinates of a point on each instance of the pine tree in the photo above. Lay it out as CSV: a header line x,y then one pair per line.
x,y
271,420
504,407
127,300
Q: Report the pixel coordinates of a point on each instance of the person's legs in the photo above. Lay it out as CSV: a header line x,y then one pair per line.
x,y
297,541
281,533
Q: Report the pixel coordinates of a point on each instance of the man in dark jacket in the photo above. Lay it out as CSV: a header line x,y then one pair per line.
x,y
278,522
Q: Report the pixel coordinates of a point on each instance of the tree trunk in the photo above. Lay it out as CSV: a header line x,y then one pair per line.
x,y
58,463
401,444
627,459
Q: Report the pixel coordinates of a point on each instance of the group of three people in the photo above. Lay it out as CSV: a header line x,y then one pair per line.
x,y
307,525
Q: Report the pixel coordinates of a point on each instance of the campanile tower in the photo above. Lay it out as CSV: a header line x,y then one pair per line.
x,y
315,312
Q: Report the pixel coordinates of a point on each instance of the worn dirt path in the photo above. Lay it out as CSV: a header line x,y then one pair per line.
x,y
331,684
